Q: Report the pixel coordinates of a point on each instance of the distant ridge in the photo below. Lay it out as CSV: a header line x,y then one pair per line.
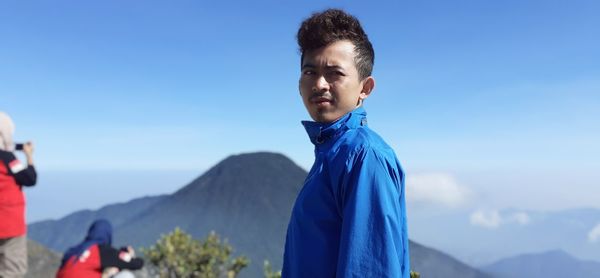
x,y
431,263
58,235
550,264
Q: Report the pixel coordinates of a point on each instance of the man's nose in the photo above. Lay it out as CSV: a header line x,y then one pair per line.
x,y
321,84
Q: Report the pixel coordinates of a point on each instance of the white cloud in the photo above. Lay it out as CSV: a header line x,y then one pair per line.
x,y
493,219
594,234
436,188
486,219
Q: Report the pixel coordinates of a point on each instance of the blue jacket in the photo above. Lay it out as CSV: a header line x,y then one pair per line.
x,y
349,219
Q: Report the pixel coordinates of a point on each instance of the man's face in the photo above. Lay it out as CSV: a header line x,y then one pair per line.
x,y
329,82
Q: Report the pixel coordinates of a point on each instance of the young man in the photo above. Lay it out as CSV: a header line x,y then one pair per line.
x,y
349,219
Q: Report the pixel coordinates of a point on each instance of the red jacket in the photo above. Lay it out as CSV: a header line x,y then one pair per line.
x,y
95,259
13,176
86,266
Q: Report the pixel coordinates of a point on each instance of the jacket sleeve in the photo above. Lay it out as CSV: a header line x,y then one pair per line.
x,y
111,257
373,241
23,174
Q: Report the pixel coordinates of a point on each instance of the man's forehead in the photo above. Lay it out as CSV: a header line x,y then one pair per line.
x,y
328,58
337,54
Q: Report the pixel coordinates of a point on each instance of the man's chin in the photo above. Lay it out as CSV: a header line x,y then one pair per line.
x,y
325,117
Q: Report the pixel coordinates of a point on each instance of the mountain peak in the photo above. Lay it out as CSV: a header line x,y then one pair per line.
x,y
252,170
255,156
246,162
248,175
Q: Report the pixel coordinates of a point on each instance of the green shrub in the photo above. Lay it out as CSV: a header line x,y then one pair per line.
x,y
269,273
177,254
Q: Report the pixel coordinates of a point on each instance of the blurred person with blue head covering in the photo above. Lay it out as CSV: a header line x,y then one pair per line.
x,y
95,257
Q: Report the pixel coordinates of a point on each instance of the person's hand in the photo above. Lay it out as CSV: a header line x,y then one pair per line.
x,y
109,272
28,150
131,251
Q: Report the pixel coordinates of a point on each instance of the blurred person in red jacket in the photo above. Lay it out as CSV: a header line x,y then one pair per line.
x,y
94,257
14,174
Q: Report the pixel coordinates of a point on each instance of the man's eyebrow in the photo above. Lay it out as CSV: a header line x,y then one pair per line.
x,y
308,65
334,67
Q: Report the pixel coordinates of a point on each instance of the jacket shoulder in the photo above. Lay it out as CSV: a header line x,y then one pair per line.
x,y
363,139
6,157
358,142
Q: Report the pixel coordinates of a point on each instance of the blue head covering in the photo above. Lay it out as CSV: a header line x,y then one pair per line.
x,y
99,233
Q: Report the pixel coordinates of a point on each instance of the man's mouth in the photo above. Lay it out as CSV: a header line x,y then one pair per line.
x,y
320,100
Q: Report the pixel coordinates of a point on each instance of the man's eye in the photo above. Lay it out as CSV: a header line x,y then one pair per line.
x,y
309,72
336,73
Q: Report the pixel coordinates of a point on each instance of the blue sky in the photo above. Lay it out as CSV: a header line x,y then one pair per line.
x,y
500,96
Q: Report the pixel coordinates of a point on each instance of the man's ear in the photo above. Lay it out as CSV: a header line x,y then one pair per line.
x,y
367,87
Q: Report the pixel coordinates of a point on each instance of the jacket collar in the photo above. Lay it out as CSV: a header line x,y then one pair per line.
x,y
321,133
